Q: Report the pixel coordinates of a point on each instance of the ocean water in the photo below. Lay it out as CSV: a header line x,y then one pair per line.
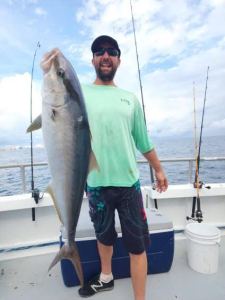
x,y
177,172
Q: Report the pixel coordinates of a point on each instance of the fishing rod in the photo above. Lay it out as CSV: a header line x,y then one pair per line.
x,y
34,191
141,89
197,214
203,113
196,184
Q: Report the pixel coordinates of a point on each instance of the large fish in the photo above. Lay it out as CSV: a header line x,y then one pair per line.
x,y
67,141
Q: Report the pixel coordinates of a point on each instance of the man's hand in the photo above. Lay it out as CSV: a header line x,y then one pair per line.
x,y
161,182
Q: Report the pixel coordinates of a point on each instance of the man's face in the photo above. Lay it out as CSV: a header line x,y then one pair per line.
x,y
105,64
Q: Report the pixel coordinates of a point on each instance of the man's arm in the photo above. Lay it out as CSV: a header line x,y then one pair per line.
x,y
161,180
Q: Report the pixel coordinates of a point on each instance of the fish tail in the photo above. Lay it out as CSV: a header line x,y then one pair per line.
x,y
70,252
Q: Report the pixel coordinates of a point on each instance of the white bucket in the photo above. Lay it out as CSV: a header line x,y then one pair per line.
x,y
203,247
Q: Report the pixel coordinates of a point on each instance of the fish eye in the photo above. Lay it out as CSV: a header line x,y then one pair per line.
x,y
60,73
80,119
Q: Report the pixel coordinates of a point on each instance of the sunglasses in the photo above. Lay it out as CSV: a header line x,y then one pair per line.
x,y
110,51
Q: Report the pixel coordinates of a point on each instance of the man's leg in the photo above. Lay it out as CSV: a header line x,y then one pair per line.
x,y
138,268
105,253
102,215
135,235
103,281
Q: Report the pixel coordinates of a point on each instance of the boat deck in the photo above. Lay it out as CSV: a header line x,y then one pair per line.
x,y
27,278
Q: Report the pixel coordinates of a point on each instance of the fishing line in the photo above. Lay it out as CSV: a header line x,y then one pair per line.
x,y
141,88
35,192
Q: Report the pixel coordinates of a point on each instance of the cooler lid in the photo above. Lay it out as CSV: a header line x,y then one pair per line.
x,y
157,220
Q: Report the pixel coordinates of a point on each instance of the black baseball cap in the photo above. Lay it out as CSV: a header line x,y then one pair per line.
x,y
96,45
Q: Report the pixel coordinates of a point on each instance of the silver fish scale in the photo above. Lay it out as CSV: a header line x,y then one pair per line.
x,y
67,141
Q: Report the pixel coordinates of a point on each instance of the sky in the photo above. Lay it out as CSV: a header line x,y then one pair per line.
x,y
177,41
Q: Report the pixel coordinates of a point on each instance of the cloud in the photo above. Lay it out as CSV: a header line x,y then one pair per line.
x,y
22,3
218,124
15,105
176,43
40,11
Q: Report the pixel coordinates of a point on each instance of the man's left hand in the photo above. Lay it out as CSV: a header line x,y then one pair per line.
x,y
161,181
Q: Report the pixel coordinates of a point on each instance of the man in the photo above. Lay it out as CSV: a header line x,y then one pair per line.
x,y
117,129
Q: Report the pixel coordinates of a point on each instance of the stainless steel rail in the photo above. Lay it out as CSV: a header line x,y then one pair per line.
x,y
189,160
22,168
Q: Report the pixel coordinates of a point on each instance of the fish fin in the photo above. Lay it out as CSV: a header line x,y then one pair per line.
x,y
93,164
75,259
35,125
50,191
57,258
71,253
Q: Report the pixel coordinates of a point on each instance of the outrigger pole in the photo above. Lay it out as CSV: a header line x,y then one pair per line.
x,y
141,89
197,214
35,192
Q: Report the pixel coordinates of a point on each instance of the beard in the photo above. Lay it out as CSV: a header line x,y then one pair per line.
x,y
105,76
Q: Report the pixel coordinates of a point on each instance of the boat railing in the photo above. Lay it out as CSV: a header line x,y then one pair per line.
x,y
191,163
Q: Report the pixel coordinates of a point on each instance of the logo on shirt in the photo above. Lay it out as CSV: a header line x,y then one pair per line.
x,y
125,100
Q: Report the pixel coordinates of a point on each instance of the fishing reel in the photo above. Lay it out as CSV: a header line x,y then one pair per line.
x,y
36,195
198,217
198,184
196,214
